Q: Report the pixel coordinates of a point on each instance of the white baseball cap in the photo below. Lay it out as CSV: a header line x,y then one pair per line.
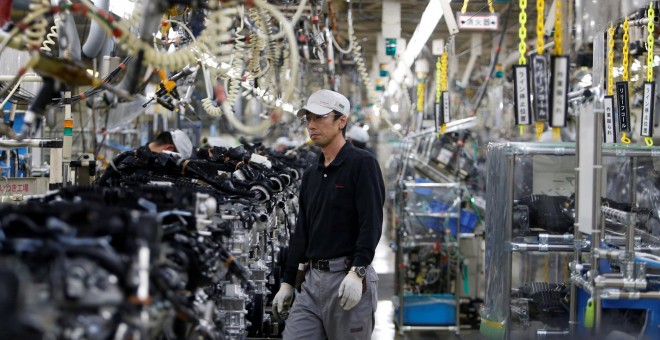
x,y
323,101
357,133
182,143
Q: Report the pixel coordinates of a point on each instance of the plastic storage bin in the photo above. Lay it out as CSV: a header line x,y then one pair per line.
x,y
432,199
429,309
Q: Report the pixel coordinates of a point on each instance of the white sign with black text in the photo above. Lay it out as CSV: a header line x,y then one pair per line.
x,y
521,101
445,107
608,120
477,21
648,109
559,91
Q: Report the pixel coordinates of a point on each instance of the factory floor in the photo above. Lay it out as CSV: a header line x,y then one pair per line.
x,y
383,263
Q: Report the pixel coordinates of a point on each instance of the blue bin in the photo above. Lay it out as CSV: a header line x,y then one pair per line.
x,y
423,191
429,310
468,219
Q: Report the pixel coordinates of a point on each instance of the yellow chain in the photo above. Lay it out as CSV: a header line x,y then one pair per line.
x,y
610,61
626,39
443,82
465,4
490,6
540,10
444,71
649,42
649,55
540,49
522,32
420,96
559,45
559,50
438,80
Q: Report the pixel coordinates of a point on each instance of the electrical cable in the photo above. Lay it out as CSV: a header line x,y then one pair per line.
x,y
11,93
237,61
295,59
351,35
293,22
255,44
50,37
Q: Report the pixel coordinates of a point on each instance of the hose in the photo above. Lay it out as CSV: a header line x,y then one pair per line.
x,y
96,37
288,28
215,111
237,62
50,37
256,44
34,34
294,21
216,35
351,35
273,57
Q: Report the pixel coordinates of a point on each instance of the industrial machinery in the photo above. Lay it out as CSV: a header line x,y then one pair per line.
x,y
168,258
438,256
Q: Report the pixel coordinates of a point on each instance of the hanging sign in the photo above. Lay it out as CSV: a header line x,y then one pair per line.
x,y
648,109
540,74
477,21
609,130
623,105
559,91
444,116
522,105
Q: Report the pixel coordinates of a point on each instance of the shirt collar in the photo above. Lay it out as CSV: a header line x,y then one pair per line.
x,y
341,156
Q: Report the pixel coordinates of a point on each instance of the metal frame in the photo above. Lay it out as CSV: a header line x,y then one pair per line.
x,y
579,245
399,276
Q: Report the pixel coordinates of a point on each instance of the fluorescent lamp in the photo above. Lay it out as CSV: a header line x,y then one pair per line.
x,y
430,18
122,8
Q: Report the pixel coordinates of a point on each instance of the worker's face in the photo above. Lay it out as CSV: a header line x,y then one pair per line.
x,y
324,129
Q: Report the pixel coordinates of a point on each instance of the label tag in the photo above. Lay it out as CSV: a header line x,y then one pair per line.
x,y
521,102
623,105
444,156
437,115
540,74
559,91
609,129
446,118
648,109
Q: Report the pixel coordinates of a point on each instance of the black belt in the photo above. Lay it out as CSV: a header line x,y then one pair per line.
x,y
333,265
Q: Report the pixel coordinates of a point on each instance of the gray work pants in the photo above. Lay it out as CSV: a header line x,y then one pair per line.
x,y
317,315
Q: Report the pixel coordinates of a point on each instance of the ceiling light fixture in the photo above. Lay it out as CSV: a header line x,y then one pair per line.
x,y
430,18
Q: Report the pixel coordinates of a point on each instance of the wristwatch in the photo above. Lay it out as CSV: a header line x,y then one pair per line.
x,y
360,271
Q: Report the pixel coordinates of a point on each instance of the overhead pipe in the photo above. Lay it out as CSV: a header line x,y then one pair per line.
x,y
97,37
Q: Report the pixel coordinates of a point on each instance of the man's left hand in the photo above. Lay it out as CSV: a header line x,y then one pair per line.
x,y
350,291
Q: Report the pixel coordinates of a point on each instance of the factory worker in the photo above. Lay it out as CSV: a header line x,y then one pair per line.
x,y
338,227
174,142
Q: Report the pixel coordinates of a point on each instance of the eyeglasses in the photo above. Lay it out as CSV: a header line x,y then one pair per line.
x,y
316,118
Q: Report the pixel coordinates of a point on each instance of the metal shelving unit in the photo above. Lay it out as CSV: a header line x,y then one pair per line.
x,y
406,241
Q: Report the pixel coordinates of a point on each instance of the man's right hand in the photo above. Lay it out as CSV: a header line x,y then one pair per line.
x,y
282,302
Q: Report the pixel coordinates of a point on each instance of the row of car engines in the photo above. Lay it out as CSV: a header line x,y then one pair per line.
x,y
156,255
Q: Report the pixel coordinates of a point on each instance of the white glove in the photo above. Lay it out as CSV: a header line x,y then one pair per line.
x,y
350,291
282,302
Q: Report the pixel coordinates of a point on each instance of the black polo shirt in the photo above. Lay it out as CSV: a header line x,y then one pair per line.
x,y
341,211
